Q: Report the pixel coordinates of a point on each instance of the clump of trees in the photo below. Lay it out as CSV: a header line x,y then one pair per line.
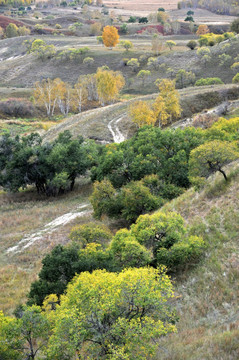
x,y
165,108
103,87
51,168
12,30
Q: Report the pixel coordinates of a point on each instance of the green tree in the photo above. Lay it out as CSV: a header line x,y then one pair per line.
x,y
170,44
61,265
103,199
143,75
26,335
126,44
165,235
212,157
132,19
235,26
184,78
136,199
104,313
11,30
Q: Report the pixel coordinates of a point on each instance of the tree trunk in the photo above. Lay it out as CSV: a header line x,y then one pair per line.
x,y
223,173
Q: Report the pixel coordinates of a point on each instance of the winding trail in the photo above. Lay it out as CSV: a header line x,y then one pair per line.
x,y
118,136
49,228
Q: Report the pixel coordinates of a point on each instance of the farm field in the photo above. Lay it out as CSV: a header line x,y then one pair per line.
x,y
141,5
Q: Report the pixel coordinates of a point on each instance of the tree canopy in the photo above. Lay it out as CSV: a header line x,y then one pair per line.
x,y
104,314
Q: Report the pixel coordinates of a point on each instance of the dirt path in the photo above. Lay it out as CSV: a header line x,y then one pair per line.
x,y
49,228
118,136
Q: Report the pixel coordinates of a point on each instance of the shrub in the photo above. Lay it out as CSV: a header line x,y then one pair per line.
x,y
208,81
181,253
132,19
143,20
224,60
17,107
90,233
192,44
89,61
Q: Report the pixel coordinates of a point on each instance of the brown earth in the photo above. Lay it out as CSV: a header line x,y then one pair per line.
x,y
143,5
4,21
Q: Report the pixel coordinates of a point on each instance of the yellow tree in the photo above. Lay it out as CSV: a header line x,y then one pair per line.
x,y
202,30
64,95
142,114
45,94
110,36
80,93
109,83
166,105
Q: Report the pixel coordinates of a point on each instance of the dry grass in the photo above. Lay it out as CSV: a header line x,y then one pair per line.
x,y
25,213
208,295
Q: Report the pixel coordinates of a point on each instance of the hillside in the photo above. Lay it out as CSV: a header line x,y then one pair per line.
x,y
105,124
208,295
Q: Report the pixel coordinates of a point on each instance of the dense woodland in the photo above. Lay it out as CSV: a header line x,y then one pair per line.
x,y
128,240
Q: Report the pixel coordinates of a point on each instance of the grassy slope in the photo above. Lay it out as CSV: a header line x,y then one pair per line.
x,y
22,214
208,294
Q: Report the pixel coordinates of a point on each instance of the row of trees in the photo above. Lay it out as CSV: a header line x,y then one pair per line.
x,y
227,7
13,30
103,87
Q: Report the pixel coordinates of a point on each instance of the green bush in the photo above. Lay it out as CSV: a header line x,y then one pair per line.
x,y
166,236
192,44
208,81
90,233
181,253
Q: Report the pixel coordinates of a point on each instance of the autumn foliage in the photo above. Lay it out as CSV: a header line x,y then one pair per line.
x,y
165,107
110,36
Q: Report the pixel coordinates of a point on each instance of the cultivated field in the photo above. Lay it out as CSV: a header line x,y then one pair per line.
x,y
151,5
